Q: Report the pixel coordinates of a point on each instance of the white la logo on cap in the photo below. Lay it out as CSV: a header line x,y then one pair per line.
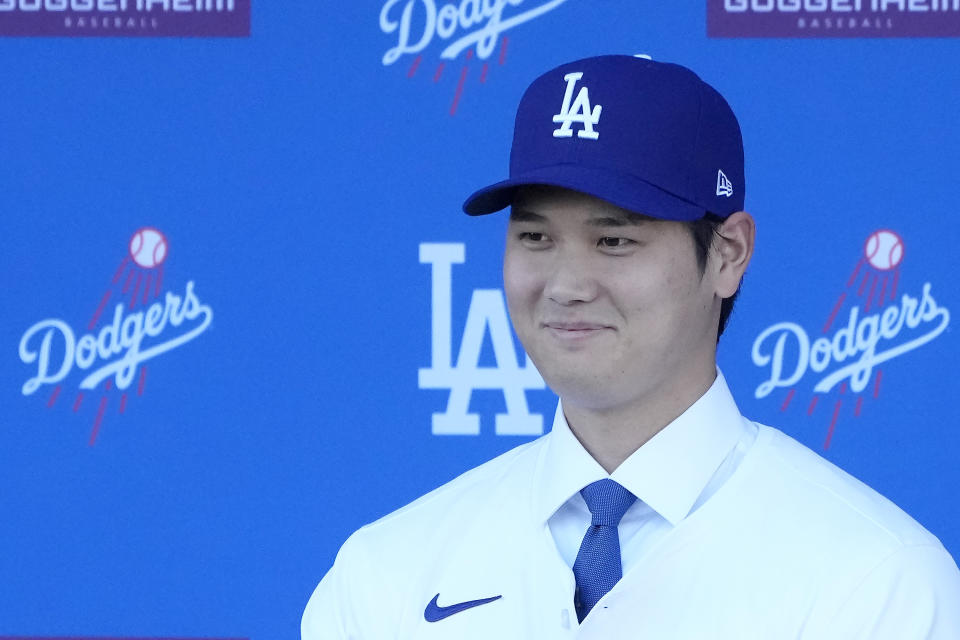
x,y
724,186
581,111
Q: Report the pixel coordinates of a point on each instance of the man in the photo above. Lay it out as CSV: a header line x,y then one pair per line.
x,y
652,509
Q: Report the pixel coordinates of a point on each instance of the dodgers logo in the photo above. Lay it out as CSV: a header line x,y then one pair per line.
x,y
880,323
487,313
144,322
580,111
476,27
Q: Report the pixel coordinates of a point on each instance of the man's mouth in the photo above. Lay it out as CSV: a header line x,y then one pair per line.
x,y
574,330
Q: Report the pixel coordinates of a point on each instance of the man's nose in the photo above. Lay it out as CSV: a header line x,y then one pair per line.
x,y
570,281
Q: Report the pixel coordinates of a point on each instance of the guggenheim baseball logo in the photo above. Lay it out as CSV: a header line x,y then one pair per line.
x,y
871,323
474,28
833,18
198,18
135,321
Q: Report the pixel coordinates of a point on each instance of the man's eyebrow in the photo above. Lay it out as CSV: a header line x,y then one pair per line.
x,y
518,214
617,221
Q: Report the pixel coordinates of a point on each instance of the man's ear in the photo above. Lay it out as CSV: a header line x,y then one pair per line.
x,y
733,246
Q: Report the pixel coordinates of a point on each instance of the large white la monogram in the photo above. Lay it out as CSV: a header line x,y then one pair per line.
x,y
579,112
487,313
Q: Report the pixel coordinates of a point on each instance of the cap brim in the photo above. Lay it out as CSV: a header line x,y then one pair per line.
x,y
628,192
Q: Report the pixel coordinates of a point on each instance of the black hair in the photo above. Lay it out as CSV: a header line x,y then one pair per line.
x,y
703,231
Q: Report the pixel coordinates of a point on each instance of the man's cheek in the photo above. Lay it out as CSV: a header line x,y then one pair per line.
x,y
522,293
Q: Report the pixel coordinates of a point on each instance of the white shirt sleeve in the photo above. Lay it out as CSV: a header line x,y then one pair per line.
x,y
329,614
913,594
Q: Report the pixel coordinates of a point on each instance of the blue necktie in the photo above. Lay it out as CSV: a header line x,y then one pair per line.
x,y
598,567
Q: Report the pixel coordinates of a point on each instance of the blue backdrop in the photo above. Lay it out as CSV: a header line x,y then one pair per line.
x,y
295,177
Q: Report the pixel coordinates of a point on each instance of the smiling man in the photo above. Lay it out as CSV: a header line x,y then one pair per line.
x,y
616,311
652,509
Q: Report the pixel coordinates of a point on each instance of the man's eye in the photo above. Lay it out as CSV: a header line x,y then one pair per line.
x,y
531,236
610,242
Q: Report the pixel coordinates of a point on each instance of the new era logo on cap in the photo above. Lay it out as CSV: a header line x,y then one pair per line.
x,y
724,186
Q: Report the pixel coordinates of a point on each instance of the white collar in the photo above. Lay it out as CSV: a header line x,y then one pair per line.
x,y
668,473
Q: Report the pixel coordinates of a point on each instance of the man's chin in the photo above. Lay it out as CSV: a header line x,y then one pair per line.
x,y
582,389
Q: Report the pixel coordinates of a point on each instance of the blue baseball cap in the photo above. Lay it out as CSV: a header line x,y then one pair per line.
x,y
650,137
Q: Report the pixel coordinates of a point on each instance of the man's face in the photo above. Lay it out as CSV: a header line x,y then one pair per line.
x,y
611,306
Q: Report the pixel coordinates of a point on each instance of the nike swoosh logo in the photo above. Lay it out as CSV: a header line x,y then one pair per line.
x,y
435,612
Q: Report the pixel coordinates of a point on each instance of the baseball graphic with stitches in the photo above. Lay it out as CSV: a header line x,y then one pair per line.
x,y
884,250
148,247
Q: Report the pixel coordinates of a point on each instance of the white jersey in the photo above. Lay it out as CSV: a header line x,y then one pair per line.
x,y
766,541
